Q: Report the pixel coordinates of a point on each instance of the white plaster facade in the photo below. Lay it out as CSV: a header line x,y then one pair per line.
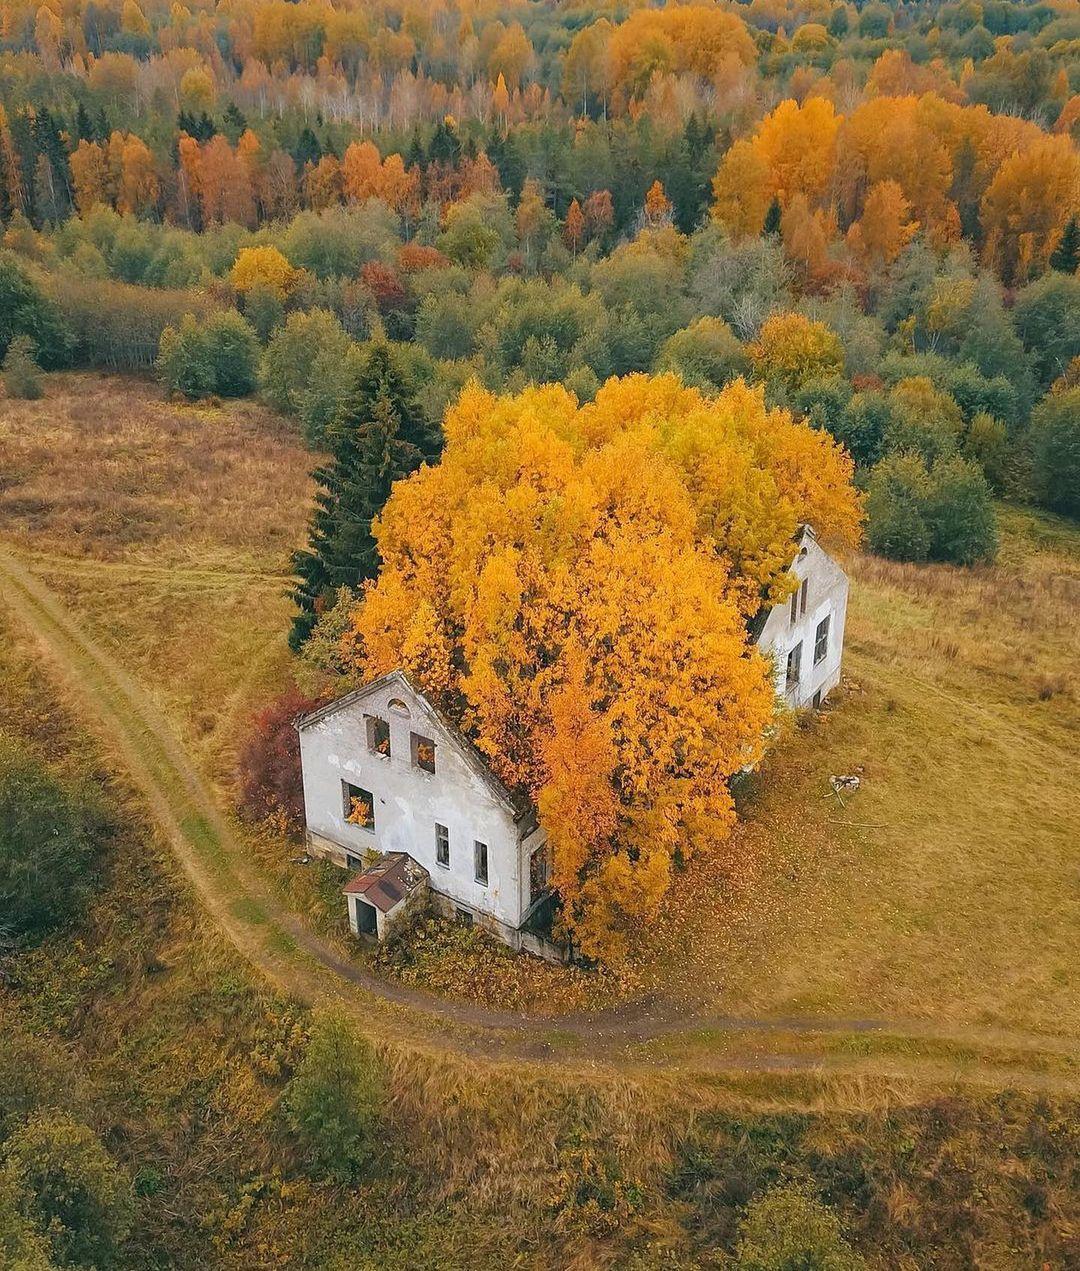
x,y
438,818
805,634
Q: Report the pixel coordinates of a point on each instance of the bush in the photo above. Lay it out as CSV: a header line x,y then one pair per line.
x,y
944,513
49,835
21,377
1055,451
332,1102
71,1189
787,1229
268,770
220,355
22,1247
26,310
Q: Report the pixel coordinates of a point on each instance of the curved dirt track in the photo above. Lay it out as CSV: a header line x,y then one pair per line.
x,y
300,963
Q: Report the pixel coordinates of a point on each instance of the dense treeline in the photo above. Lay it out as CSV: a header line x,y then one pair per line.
x,y
870,210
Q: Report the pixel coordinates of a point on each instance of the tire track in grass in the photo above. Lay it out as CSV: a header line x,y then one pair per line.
x,y
298,962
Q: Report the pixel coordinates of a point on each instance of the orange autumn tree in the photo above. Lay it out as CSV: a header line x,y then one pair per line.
x,y
572,585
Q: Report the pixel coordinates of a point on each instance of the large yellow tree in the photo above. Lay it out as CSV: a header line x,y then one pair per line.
x,y
572,584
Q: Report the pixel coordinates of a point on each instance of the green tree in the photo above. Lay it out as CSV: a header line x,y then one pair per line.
x,y
1047,318
21,373
290,356
49,836
234,353
22,1246
184,362
25,310
706,354
960,513
787,1229
379,437
1055,451
72,1189
1066,256
896,501
332,1102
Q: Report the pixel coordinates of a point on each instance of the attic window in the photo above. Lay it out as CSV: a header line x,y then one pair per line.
x,y
378,736
423,752
802,594
397,707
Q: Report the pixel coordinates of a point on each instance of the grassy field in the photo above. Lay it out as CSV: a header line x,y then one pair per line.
x,y
945,889
943,892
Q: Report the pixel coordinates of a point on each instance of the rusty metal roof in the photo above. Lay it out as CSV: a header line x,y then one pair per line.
x,y
387,881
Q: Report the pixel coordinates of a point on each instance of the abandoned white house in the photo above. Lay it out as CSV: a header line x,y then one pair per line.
x,y
387,776
395,793
805,634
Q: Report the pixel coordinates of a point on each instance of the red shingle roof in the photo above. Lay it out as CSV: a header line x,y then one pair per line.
x,y
387,881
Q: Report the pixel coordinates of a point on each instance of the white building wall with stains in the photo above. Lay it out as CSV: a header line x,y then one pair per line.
x,y
408,802
795,627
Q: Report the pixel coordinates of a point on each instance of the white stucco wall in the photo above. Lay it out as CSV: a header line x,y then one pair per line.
x,y
826,595
408,801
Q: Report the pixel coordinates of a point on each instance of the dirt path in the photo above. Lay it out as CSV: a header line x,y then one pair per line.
x,y
300,963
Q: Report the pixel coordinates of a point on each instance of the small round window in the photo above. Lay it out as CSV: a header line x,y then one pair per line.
x,y
397,707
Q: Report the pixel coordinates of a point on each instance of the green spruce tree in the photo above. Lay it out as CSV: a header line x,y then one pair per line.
x,y
380,438
1066,255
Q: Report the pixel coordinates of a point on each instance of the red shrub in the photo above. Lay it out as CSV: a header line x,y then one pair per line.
x,y
268,772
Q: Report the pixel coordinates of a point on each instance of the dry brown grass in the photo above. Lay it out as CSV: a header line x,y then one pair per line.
x,y
102,468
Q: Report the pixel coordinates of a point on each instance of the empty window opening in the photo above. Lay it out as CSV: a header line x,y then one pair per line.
x,y
359,806
538,873
352,862
378,736
463,917
442,846
423,752
397,707
480,861
794,660
802,595
795,606
821,641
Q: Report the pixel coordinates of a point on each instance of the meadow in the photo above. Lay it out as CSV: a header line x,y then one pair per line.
x,y
937,895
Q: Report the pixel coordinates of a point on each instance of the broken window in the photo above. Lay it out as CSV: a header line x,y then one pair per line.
x,y
423,752
359,806
821,641
794,661
464,917
480,861
378,736
538,873
442,846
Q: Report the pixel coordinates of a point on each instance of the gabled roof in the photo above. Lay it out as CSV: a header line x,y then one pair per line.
x,y
387,881
518,806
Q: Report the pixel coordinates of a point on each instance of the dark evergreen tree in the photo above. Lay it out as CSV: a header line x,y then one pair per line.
x,y
772,218
233,122
416,156
307,149
84,125
200,126
1066,255
380,437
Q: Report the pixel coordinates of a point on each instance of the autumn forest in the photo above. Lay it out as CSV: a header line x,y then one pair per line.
x,y
513,344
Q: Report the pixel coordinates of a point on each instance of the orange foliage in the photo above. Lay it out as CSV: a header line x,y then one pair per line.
x,y
572,583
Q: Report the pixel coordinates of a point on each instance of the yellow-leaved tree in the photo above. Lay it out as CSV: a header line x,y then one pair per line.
x,y
572,584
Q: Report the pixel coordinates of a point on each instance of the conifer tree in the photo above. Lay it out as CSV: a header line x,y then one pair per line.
x,y
380,438
1066,256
